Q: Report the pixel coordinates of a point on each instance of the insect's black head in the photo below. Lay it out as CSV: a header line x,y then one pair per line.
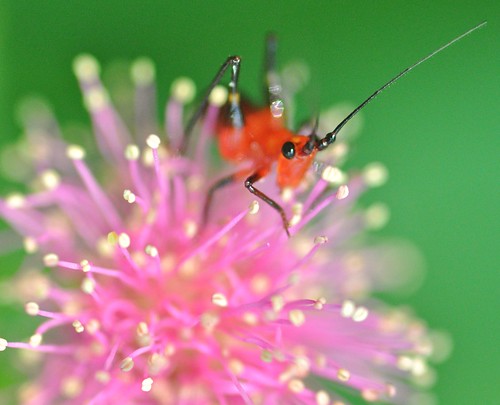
x,y
293,163
288,150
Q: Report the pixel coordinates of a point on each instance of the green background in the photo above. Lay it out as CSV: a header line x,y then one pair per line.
x,y
437,130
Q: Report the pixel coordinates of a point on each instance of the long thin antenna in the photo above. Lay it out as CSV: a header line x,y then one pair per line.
x,y
330,137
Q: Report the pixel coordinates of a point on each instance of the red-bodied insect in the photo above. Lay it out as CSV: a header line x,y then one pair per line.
x,y
260,137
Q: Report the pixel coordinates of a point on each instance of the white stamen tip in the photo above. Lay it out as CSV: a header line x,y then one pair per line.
x,y
218,96
153,141
71,387
51,260
30,245
375,174
143,71
322,398
377,215
112,238
85,265
266,356
297,317
297,210
96,99
277,302
15,201
342,192
127,364
236,366
32,308
404,363
3,344
320,303
254,207
369,395
183,90
295,385
79,328
123,240
294,220
348,309
50,179
287,194
35,340
151,251
190,228
320,240
142,329
343,375
132,152
360,314
88,286
85,67
209,321
147,384
75,152
129,196
333,175
102,376
419,367
219,299
93,326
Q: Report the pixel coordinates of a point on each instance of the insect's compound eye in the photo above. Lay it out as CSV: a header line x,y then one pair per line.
x,y
288,150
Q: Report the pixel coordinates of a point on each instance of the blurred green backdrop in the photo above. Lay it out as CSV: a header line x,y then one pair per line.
x,y
437,130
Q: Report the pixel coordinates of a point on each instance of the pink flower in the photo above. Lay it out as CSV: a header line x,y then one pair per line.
x,y
143,304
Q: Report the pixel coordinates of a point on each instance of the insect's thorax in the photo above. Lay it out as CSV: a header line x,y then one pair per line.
x,y
258,141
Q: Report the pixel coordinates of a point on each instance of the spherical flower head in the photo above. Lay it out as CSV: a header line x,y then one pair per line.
x,y
154,299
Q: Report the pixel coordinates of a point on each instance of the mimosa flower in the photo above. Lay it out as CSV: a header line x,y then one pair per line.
x,y
144,302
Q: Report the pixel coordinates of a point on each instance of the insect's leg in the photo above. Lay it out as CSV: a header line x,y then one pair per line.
x,y
235,113
250,187
225,181
272,79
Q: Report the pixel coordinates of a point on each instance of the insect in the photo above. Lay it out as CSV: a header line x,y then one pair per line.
x,y
259,136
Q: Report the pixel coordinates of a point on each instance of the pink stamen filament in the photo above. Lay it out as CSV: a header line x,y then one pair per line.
x,y
214,238
103,203
173,121
44,348
317,190
206,131
53,323
145,106
26,222
106,122
111,357
138,182
100,270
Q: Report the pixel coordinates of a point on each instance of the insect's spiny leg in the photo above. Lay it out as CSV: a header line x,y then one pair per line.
x,y
250,187
225,181
235,113
234,97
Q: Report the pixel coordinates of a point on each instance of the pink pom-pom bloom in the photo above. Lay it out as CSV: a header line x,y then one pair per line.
x,y
146,304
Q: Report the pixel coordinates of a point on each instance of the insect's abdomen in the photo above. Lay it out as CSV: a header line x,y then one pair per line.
x,y
259,141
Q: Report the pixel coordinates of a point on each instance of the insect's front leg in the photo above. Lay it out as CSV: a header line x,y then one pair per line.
x,y
235,114
249,184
